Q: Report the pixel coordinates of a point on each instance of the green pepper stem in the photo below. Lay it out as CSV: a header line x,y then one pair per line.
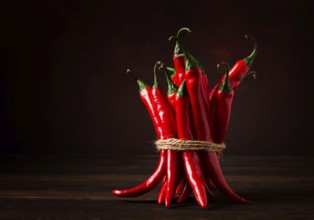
x,y
155,74
177,48
183,29
225,86
250,73
182,90
172,88
171,69
249,59
190,62
140,83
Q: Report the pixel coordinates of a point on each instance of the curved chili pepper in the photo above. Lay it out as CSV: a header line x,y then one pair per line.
x,y
241,68
155,178
213,170
169,125
191,160
220,114
179,60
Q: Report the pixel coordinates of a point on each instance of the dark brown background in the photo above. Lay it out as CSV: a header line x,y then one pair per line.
x,y
64,87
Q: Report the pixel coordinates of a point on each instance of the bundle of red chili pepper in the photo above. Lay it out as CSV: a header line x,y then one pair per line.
x,y
188,117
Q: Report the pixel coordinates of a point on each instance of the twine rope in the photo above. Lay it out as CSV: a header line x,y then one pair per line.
x,y
188,145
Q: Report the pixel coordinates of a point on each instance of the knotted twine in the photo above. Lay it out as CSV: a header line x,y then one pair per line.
x,y
188,145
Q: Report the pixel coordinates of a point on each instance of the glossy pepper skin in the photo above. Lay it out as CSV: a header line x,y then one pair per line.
x,y
158,174
179,61
221,108
172,88
186,192
194,77
209,160
191,159
169,125
220,113
241,68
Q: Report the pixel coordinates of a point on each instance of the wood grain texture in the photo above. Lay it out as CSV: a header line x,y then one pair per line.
x,y
79,187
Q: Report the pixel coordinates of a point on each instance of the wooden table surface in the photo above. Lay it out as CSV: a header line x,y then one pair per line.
x,y
79,187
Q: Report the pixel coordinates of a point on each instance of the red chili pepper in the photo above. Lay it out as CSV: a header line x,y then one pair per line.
x,y
164,110
155,178
179,61
162,192
186,192
169,125
172,88
181,185
220,114
221,108
171,95
194,78
200,117
191,160
213,170
241,67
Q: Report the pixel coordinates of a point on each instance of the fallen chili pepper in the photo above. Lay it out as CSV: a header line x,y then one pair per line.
x,y
191,160
158,174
